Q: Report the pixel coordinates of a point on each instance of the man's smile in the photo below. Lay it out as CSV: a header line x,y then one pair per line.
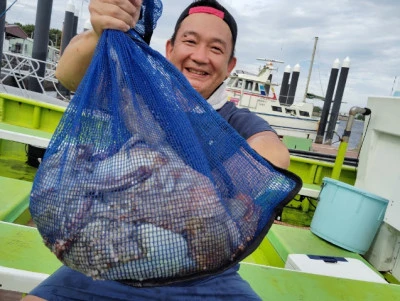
x,y
197,72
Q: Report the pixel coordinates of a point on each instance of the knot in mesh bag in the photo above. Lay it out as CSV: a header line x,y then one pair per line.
x,y
150,13
143,182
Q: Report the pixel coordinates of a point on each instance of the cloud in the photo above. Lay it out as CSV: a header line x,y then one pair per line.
x,y
24,12
362,30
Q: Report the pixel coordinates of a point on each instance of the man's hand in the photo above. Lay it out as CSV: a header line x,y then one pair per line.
x,y
114,14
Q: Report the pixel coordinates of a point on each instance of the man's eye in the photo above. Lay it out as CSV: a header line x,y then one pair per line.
x,y
217,49
190,41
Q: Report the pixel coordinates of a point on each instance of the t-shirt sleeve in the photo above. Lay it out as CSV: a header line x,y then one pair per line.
x,y
244,121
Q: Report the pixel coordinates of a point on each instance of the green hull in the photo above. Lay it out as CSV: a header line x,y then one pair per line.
x,y
262,269
33,118
29,113
44,117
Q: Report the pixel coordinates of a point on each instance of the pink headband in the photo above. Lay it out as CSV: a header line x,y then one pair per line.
x,y
207,10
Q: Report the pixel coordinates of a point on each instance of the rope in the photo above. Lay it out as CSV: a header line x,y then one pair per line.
x,y
363,138
4,12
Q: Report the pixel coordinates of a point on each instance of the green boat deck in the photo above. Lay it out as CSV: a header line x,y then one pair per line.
x,y
283,240
14,200
279,284
25,135
13,161
22,250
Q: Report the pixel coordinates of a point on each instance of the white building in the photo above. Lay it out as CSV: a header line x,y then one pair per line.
x,y
24,47
17,41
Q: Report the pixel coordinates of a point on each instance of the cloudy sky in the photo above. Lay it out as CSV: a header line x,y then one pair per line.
x,y
366,31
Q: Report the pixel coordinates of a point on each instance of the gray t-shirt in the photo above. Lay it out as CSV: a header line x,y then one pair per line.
x,y
245,122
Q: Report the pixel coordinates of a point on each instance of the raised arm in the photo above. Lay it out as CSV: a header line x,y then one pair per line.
x,y
104,14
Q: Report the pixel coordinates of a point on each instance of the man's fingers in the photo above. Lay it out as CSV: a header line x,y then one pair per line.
x,y
114,14
108,23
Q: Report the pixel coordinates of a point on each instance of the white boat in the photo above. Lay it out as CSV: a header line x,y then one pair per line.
x,y
256,93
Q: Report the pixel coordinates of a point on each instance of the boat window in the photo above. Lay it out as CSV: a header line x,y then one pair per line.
x,y
276,109
238,84
249,85
256,88
17,48
262,90
291,112
304,113
231,81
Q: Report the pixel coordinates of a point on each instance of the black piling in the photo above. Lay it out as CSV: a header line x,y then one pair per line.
x,y
68,26
328,101
75,27
283,93
3,7
344,71
41,40
293,85
67,35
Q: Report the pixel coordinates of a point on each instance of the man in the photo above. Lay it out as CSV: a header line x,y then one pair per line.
x,y
196,58
202,48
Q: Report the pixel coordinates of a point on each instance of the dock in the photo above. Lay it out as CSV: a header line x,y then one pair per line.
x,y
332,150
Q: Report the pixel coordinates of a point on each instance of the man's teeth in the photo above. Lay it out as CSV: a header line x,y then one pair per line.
x,y
197,72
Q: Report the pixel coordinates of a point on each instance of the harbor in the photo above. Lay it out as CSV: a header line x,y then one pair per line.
x,y
300,211
337,238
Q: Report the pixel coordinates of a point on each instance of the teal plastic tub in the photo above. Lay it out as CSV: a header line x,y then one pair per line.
x,y
348,216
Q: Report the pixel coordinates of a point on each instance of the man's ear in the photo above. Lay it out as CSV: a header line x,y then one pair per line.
x,y
231,65
168,49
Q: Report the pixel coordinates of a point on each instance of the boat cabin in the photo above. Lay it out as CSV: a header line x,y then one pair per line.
x,y
246,91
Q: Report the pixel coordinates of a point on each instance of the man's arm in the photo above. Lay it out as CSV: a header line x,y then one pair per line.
x,y
75,59
269,146
104,14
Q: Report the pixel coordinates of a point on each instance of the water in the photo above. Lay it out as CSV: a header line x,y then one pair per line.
x,y
355,136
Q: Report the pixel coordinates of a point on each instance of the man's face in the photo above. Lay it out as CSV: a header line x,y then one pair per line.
x,y
202,51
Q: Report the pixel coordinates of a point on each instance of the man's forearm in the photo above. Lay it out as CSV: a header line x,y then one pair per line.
x,y
269,146
76,59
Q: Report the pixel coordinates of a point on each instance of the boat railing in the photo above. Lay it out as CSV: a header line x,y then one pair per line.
x,y
18,69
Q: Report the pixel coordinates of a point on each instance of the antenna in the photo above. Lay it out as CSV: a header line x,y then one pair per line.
x,y
311,67
270,60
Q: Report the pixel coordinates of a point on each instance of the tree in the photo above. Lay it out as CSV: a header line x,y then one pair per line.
x,y
29,29
55,37
317,109
54,34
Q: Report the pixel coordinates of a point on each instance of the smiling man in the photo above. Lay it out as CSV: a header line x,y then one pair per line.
x,y
202,48
203,54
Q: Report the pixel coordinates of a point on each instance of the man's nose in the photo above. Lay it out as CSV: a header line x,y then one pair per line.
x,y
200,54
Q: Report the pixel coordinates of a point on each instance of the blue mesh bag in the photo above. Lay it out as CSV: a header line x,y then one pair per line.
x,y
144,182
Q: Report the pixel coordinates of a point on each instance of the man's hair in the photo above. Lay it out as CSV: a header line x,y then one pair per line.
x,y
212,7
